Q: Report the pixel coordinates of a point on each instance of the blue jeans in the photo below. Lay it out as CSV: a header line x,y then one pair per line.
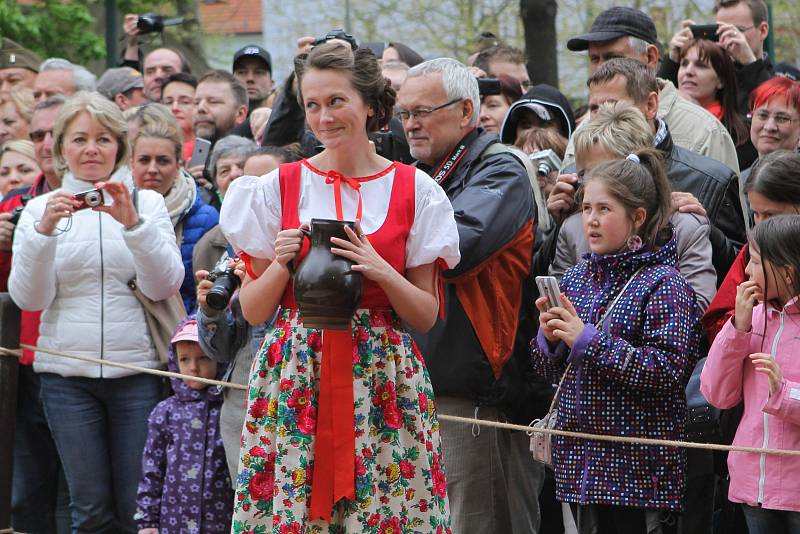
x,y
100,427
38,483
765,521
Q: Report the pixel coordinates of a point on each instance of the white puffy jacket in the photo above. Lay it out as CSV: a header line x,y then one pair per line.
x,y
80,280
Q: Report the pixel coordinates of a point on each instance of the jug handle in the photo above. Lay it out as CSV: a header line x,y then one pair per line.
x,y
306,235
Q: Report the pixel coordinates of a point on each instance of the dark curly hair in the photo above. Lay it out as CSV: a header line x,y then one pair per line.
x,y
364,72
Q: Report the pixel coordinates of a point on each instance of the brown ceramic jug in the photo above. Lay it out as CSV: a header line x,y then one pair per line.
x,y
327,291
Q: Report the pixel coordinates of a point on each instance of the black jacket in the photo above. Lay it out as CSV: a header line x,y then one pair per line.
x,y
492,201
748,77
717,188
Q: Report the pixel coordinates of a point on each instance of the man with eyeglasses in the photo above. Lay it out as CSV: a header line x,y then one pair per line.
x,y
36,464
741,32
492,481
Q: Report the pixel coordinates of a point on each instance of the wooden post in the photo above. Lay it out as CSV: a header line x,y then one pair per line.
x,y
9,338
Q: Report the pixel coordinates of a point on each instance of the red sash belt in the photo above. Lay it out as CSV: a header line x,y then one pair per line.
x,y
334,456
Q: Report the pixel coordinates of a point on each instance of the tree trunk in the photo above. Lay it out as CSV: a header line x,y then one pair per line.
x,y
539,22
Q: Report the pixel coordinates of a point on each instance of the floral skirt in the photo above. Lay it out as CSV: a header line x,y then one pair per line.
x,y
400,485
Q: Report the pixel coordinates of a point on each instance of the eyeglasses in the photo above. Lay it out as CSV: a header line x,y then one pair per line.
x,y
781,119
526,84
37,136
743,29
420,113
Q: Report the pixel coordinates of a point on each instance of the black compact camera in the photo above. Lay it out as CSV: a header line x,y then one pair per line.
x,y
16,212
225,283
705,31
488,86
337,34
545,161
154,23
89,199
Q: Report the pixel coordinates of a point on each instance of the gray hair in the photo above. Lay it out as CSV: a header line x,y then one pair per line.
x,y
81,78
458,81
638,46
50,102
230,145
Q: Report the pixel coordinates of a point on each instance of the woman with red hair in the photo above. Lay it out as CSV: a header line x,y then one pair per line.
x,y
775,106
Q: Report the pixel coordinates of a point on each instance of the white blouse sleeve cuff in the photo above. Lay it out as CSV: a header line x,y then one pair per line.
x,y
434,234
251,215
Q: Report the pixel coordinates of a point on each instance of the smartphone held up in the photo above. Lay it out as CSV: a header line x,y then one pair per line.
x,y
548,287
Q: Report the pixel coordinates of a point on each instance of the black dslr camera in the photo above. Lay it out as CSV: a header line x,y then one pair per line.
x,y
154,23
337,34
225,283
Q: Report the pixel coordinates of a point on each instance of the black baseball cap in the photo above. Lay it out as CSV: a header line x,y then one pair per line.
x,y
253,51
614,23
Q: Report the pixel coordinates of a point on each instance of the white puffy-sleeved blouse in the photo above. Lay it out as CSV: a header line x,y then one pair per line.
x,y
251,213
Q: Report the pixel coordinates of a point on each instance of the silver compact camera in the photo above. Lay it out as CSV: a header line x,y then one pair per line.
x,y
545,161
89,199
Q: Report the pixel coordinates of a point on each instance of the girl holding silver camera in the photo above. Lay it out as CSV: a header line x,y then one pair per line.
x,y
75,251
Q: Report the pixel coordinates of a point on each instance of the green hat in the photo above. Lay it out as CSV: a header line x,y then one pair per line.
x,y
15,55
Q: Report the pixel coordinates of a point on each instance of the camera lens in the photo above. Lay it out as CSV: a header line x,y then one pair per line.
x,y
93,198
220,294
543,169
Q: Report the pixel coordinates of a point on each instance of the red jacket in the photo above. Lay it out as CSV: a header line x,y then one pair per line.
x,y
722,307
29,321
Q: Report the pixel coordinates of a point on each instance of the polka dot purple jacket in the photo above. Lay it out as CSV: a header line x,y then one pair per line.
x,y
628,378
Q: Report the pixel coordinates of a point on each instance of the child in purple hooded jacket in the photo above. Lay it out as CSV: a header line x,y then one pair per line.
x,y
185,483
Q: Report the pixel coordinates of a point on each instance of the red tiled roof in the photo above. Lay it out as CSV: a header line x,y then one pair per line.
x,y
231,16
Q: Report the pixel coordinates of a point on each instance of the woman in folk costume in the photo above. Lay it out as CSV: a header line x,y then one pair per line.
x,y
341,433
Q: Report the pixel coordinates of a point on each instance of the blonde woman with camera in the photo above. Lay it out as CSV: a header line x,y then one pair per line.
x,y
75,250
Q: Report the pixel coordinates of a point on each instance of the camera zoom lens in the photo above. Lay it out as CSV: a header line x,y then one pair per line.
x,y
93,198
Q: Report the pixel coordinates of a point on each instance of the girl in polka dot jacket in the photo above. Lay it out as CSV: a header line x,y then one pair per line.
x,y
755,359
185,483
625,371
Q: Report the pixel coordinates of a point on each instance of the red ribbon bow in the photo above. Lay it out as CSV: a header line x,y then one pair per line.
x,y
335,178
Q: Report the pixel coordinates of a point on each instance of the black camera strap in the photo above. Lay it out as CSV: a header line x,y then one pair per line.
x,y
450,163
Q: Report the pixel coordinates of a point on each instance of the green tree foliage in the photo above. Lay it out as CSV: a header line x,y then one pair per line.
x,y
52,28
67,29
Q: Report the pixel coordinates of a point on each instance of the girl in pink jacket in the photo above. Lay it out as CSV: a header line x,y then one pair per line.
x,y
756,358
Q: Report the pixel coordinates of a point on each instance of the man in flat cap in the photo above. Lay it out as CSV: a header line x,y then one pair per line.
x,y
18,66
124,86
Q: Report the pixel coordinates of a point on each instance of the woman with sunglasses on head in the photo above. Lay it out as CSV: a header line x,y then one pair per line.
x,y
369,457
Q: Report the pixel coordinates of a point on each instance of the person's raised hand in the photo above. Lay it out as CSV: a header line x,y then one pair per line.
x,y
567,326
258,121
747,295
764,363
58,206
679,40
6,231
545,316
121,207
562,198
130,25
734,43
203,286
304,44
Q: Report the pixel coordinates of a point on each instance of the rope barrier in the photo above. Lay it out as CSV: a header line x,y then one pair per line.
x,y
443,417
